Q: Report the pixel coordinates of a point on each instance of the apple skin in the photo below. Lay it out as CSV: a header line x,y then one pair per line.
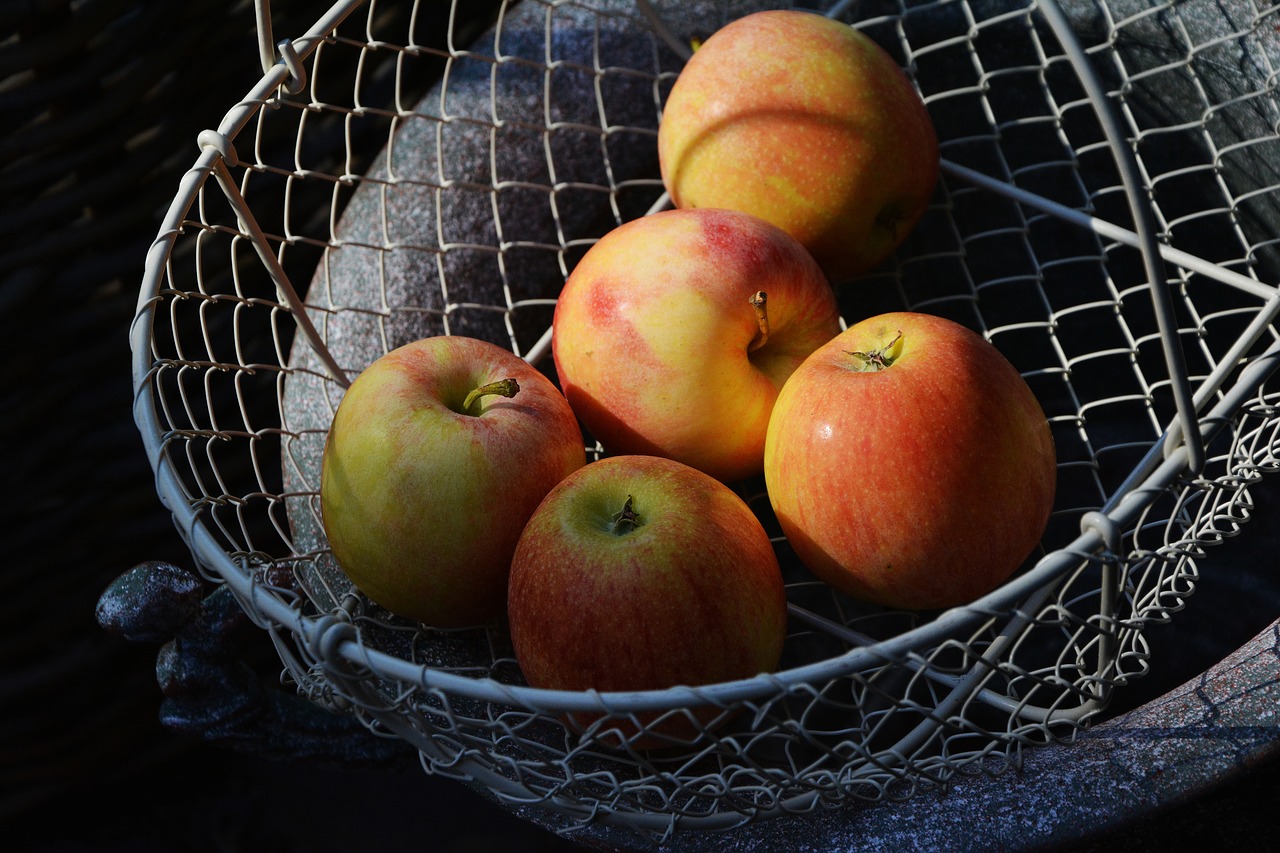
x,y
422,504
809,124
923,485
653,333
692,595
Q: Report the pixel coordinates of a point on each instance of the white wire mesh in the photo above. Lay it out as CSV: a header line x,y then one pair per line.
x,y
438,175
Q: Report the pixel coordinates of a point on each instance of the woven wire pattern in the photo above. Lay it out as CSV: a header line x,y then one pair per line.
x,y
382,130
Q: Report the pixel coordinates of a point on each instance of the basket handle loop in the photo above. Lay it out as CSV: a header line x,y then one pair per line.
x,y
270,52
266,48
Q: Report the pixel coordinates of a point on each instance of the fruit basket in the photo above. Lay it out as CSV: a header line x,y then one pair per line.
x,y
1106,217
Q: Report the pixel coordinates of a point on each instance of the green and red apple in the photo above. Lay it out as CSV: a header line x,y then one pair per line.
x,y
675,331
641,573
808,123
910,464
438,453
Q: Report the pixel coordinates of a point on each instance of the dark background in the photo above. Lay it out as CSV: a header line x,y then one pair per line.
x,y
101,110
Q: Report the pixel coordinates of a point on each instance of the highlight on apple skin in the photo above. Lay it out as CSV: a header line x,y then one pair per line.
x,y
910,464
674,333
809,124
641,573
438,453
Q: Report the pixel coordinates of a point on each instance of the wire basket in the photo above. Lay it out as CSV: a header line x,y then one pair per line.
x,y
1106,217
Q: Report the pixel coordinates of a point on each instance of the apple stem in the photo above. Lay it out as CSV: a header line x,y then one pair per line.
x,y
503,387
625,521
759,301
878,359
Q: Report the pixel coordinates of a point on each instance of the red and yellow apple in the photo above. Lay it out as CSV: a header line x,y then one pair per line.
x,y
438,453
809,124
641,573
910,464
675,331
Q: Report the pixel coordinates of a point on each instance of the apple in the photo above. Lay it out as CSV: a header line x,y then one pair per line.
x,y
809,124
642,573
675,331
909,463
437,455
